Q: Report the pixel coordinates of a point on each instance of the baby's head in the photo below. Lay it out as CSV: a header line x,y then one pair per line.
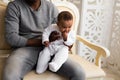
x,y
65,21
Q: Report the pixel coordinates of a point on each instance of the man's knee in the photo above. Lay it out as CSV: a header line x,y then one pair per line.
x,y
12,69
78,73
10,73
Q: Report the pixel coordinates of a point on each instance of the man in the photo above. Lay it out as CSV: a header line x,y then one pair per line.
x,y
25,20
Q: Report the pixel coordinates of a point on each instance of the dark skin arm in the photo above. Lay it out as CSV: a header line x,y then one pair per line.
x,y
34,42
53,37
38,42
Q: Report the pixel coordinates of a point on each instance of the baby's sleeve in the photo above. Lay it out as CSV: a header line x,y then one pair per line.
x,y
46,33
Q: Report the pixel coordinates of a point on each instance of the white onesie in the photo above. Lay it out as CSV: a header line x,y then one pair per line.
x,y
56,48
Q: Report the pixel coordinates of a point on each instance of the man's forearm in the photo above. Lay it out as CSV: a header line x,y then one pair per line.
x,y
34,42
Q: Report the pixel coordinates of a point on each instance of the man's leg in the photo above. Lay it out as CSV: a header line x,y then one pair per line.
x,y
20,62
72,70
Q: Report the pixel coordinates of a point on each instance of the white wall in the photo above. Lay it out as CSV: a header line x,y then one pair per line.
x,y
96,25
113,62
100,23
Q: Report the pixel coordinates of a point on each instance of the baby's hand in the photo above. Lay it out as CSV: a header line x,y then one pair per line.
x,y
46,43
64,35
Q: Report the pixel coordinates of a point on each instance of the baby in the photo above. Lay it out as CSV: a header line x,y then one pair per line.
x,y
58,40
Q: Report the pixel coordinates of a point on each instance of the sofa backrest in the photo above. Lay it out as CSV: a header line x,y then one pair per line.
x,y
3,43
68,6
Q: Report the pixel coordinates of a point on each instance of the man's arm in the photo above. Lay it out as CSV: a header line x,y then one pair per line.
x,y
12,29
34,42
12,26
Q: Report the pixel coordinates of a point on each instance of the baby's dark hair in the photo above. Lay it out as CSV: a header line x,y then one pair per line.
x,y
64,15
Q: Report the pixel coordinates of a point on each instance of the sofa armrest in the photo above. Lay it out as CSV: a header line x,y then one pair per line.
x,y
3,56
3,4
101,51
5,53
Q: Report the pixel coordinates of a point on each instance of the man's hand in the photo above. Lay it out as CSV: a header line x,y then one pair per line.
x,y
34,42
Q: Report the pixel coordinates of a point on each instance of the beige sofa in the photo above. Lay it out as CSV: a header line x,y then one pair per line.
x,y
93,71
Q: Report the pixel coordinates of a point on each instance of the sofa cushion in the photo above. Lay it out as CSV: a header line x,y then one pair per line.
x,y
3,44
2,62
91,70
44,76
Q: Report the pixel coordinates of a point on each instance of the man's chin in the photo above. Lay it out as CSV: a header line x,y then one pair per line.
x,y
30,2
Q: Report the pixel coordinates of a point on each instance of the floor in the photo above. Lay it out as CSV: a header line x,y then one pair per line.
x,y
110,75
